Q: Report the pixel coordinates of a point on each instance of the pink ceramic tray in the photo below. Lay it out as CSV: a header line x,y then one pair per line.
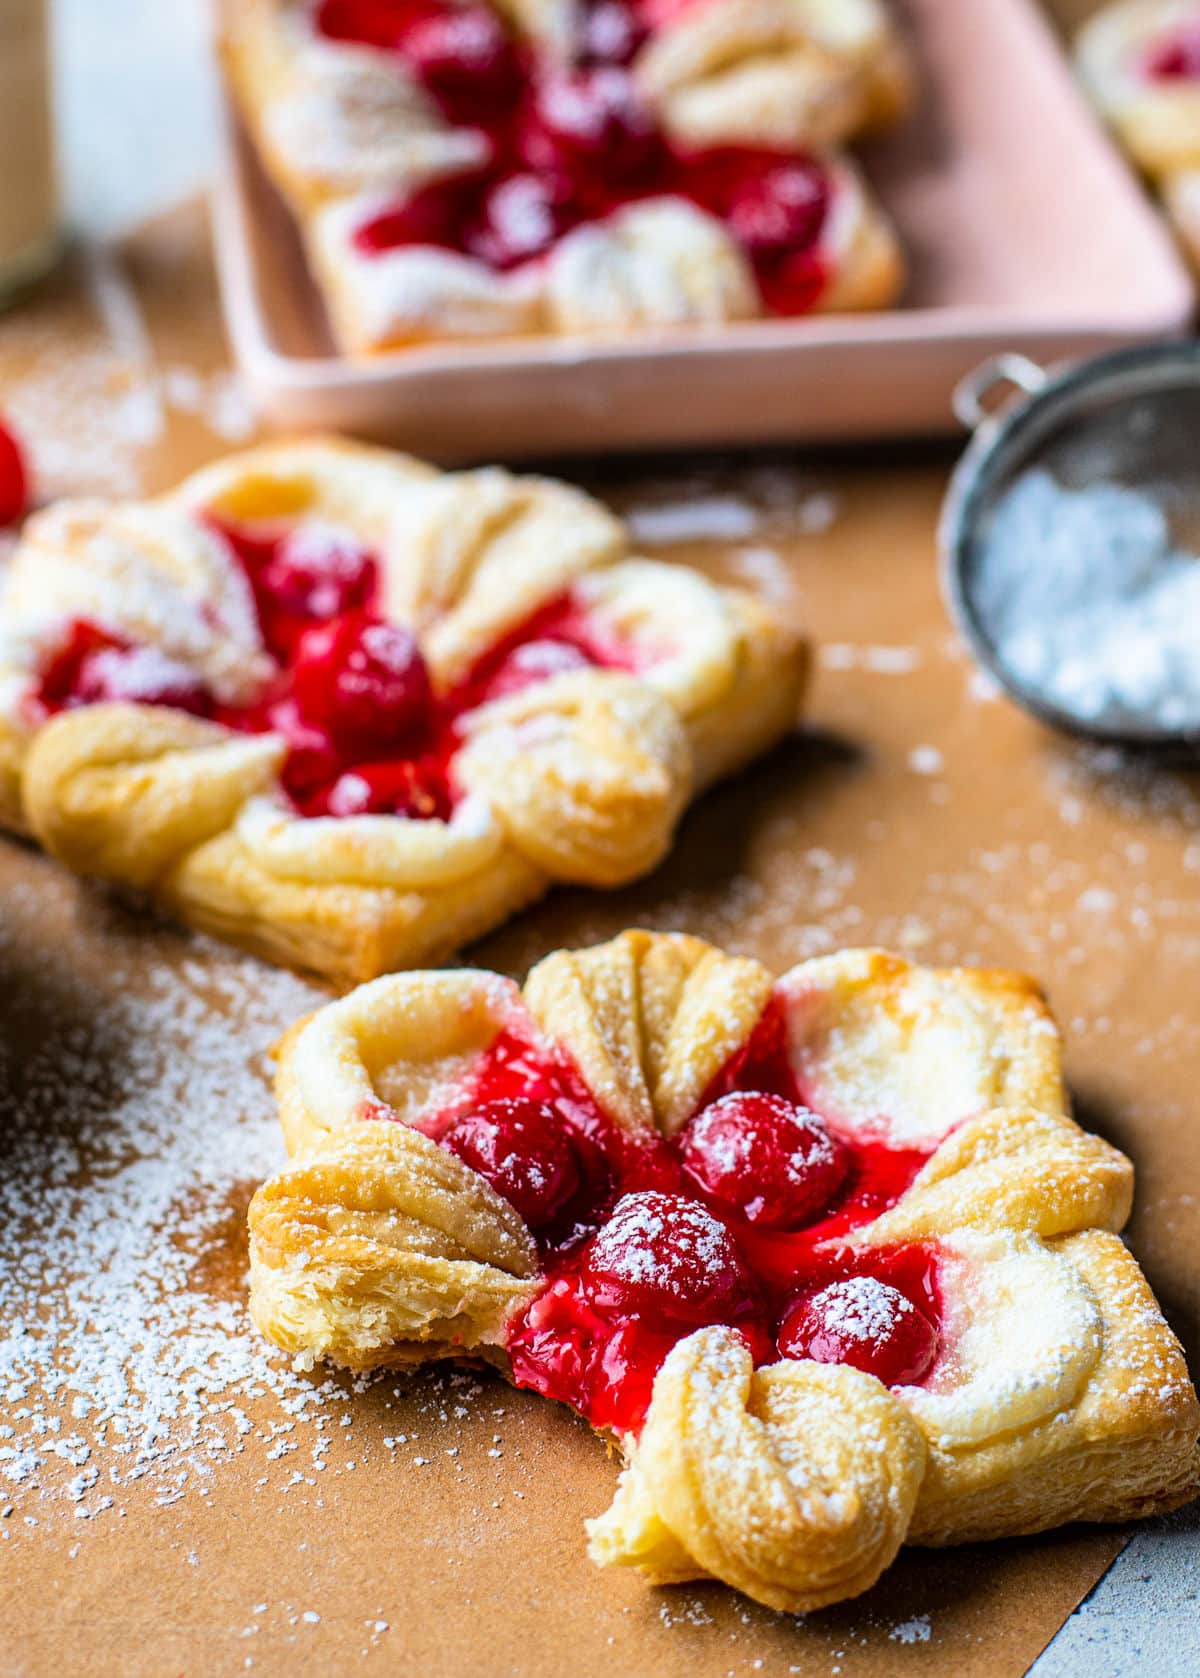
x,y
1023,229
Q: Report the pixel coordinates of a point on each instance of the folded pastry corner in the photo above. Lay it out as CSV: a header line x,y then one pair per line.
x,y
826,1255
351,713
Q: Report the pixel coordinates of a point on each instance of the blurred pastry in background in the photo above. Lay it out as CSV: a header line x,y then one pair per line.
x,y
1140,62
460,171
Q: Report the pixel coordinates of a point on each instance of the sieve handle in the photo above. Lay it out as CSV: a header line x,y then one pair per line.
x,y
970,393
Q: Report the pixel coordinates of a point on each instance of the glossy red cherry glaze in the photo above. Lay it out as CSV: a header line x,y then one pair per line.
x,y
365,684
666,1256
1176,58
14,478
91,665
775,203
637,1251
351,694
573,142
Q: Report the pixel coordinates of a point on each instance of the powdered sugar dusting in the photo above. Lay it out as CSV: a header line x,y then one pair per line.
x,y
863,1308
136,1126
88,396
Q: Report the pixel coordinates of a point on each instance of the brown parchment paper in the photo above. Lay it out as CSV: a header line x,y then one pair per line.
x,y
916,811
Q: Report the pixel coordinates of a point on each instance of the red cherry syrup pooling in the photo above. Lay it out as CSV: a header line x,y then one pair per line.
x,y
14,477
638,1251
91,665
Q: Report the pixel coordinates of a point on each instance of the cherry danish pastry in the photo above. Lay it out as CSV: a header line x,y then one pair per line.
x,y
464,170
349,712
826,1255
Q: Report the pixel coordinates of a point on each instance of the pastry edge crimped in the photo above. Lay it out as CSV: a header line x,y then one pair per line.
x,y
1126,1445
346,932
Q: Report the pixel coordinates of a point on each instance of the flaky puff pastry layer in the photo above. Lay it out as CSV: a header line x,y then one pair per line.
x,y
580,777
346,130
793,73
1061,1393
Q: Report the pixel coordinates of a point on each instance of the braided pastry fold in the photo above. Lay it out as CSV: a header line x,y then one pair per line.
x,y
795,1483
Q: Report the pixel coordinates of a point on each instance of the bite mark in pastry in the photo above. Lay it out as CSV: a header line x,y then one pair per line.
x,y
349,712
826,1255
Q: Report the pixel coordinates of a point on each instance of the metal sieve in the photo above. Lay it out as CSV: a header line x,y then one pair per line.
x,y
1130,418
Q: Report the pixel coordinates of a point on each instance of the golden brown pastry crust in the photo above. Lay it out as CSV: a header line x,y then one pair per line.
x,y
580,778
810,74
344,129
1063,1395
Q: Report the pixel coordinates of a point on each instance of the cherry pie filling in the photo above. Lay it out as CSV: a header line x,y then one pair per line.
x,y
1175,57
737,1220
351,694
572,144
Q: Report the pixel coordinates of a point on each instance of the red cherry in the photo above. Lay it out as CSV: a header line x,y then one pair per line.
x,y
433,215
524,1151
363,681
313,761
863,1322
793,285
316,572
1177,58
780,209
396,787
140,675
663,1255
372,23
522,216
774,1161
14,479
534,661
592,121
612,34
465,59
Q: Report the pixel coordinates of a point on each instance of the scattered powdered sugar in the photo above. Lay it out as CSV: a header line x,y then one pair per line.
x,y
878,661
926,760
713,518
662,1239
88,397
916,1630
1089,604
137,1121
862,1308
716,505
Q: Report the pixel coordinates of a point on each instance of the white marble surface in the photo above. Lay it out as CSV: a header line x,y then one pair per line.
x,y
137,122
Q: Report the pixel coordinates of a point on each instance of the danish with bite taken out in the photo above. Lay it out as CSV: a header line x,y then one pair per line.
x,y
350,712
459,170
825,1255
